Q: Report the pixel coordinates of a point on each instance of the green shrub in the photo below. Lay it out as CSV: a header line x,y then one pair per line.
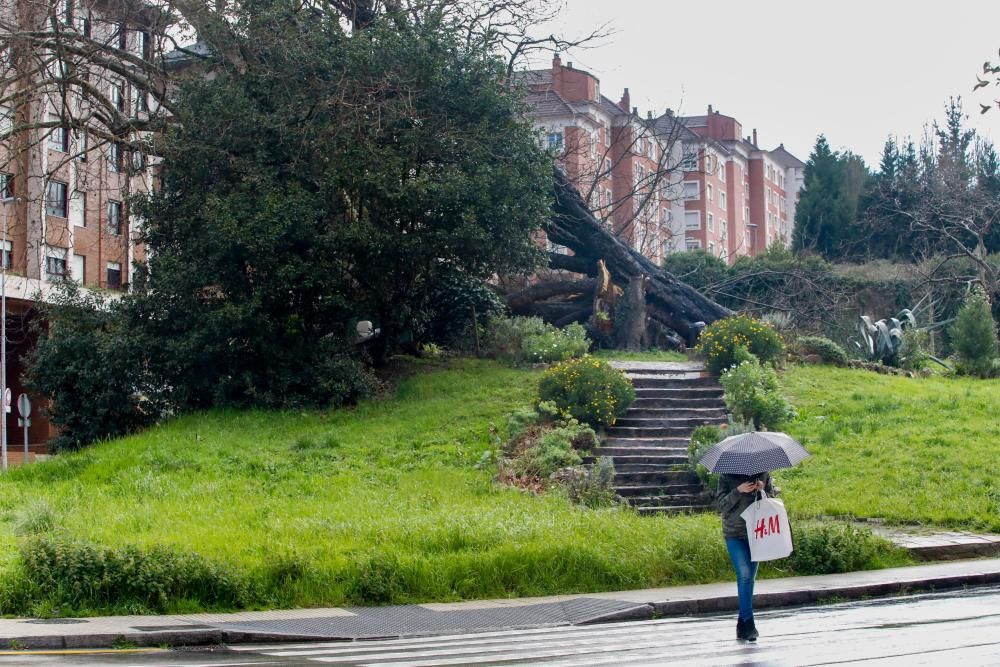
x,y
752,394
556,344
827,350
530,339
588,389
555,448
719,341
974,337
77,575
451,301
591,486
831,548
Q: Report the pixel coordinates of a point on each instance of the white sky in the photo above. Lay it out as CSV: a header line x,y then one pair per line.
x,y
856,71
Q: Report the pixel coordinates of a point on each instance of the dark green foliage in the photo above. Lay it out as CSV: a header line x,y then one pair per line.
x,y
827,350
719,343
753,396
831,548
75,575
974,337
452,301
90,362
702,440
588,389
339,176
698,268
828,201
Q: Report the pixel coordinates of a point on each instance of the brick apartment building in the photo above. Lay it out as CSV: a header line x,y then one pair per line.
x,y
623,164
65,212
669,183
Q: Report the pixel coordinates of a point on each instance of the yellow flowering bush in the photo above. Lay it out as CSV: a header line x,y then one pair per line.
x,y
588,389
719,341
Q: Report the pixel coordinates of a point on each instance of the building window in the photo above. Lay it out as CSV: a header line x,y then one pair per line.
x,y
711,222
722,199
55,267
79,269
692,220
114,275
82,143
692,244
115,158
116,97
711,248
8,254
55,199
115,218
710,193
690,161
141,103
6,186
59,139
722,172
746,213
690,190
82,222
6,120
607,198
607,134
83,25
665,215
138,161
554,141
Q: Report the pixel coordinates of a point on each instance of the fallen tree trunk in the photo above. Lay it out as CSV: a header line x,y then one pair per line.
x,y
672,302
543,291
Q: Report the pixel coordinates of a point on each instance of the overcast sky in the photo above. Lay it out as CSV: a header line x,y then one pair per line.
x,y
856,71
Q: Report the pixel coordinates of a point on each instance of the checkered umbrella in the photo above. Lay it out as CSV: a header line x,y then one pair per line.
x,y
753,453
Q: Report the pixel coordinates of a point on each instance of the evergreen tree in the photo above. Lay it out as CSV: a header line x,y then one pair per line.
x,y
829,202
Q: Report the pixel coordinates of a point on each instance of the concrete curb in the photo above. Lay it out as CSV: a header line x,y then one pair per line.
x,y
653,604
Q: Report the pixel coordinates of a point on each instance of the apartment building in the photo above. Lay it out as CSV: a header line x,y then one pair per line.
x,y
739,198
65,210
669,183
624,165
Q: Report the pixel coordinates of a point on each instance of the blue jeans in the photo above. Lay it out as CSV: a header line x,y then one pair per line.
x,y
746,572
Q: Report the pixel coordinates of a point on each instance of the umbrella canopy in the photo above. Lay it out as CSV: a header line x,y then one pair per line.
x,y
754,453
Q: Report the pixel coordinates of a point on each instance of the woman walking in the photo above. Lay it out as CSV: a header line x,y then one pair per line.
x,y
736,493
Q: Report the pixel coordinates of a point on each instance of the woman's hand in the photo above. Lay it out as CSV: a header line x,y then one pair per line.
x,y
750,487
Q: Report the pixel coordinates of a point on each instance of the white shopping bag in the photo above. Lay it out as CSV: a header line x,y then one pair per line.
x,y
768,531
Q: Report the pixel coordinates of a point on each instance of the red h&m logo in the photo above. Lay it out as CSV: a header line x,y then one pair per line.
x,y
769,526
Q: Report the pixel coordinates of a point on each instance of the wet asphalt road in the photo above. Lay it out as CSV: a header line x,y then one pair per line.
x,y
952,628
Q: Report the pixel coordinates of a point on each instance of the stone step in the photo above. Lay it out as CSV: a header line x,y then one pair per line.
x,y
617,452
629,460
657,490
673,413
654,478
658,366
688,423
680,401
661,382
680,444
654,431
691,392
655,467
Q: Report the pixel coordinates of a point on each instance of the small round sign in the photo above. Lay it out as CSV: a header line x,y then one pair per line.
x,y
24,406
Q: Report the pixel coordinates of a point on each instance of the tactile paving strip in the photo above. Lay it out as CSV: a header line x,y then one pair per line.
x,y
369,622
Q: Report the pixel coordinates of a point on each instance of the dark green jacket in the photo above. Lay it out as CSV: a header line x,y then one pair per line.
x,y
732,503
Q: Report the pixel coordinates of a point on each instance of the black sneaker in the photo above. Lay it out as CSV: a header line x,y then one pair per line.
x,y
741,629
750,631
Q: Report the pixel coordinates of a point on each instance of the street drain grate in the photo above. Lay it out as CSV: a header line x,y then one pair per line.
x,y
370,623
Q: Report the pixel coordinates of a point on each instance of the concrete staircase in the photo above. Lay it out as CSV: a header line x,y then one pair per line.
x,y
649,442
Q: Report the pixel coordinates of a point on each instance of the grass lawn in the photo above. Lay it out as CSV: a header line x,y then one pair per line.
x,y
379,503
385,503
651,355
907,450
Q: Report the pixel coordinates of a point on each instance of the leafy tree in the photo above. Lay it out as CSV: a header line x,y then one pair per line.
x,y
824,212
698,268
339,176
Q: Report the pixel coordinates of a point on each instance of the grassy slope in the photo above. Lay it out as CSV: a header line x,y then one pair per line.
x,y
907,450
345,495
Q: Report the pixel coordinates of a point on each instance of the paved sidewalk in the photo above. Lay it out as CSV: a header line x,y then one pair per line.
x,y
438,619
